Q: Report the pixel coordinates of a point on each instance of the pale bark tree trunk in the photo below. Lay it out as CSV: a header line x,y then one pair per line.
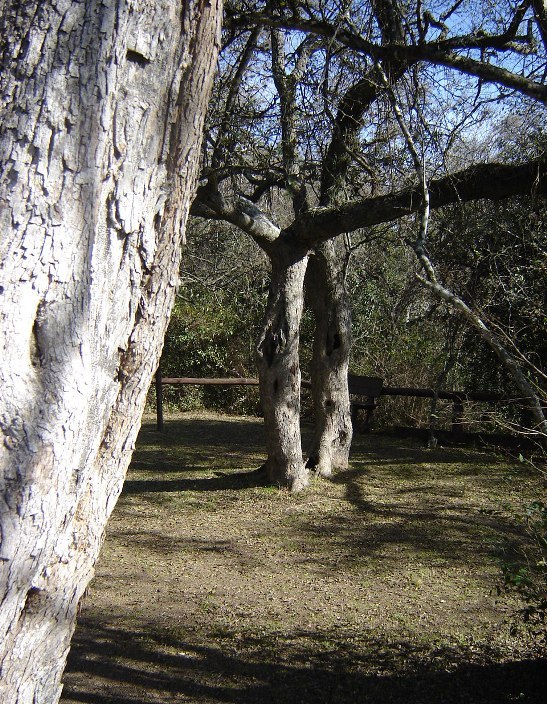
x,y
279,367
102,112
327,296
277,346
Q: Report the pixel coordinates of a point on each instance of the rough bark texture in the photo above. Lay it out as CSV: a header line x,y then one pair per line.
x,y
279,368
102,112
327,296
277,345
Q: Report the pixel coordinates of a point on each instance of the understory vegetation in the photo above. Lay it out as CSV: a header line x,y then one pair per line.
x,y
490,254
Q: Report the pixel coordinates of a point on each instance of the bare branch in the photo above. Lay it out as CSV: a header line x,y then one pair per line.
x,y
483,181
221,146
237,210
503,355
540,13
440,53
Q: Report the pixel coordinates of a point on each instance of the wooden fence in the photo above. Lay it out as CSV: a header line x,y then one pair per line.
x,y
458,397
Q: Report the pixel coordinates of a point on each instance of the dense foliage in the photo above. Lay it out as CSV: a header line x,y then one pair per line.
x,y
216,319
493,254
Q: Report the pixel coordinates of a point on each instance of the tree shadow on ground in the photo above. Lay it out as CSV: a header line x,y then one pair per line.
x,y
424,515
204,436
423,518
109,665
389,449
223,481
210,431
394,504
191,447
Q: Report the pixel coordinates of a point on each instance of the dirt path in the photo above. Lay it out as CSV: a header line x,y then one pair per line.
x,y
377,587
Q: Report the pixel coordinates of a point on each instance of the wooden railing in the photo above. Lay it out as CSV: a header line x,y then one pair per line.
x,y
458,397
200,381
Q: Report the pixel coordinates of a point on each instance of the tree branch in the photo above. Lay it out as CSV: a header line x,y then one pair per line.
x,y
223,144
238,211
507,359
540,14
489,181
439,53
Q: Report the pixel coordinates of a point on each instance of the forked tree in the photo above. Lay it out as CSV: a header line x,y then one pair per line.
x,y
329,70
103,104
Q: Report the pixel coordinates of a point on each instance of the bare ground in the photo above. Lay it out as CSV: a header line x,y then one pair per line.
x,y
377,587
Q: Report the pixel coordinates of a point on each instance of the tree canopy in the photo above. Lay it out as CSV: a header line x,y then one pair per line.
x,y
333,118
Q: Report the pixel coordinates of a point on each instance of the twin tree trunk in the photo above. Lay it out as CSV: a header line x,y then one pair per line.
x,y
279,368
327,297
101,119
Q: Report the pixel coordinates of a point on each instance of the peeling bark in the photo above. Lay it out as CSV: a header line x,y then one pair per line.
x,y
101,119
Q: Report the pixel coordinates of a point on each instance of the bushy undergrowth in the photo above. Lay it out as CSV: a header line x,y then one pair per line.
x,y
489,254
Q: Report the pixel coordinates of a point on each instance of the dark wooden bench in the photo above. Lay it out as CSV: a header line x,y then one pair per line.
x,y
363,392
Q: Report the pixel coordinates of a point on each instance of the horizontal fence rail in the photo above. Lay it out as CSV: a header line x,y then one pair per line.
x,y
457,396
232,381
229,381
449,395
200,381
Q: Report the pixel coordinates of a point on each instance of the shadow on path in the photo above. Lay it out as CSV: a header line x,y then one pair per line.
x,y
221,482
114,666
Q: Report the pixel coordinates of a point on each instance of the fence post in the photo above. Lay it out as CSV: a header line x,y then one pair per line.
x,y
159,400
457,415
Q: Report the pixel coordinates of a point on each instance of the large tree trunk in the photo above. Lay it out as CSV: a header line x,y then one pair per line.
x,y
103,106
279,367
326,294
